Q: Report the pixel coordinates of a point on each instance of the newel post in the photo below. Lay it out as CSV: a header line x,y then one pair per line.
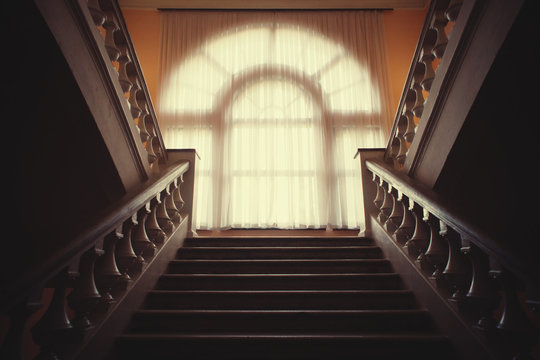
x,y
369,188
184,188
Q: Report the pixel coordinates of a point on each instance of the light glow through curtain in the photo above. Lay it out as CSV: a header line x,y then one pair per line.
x,y
276,104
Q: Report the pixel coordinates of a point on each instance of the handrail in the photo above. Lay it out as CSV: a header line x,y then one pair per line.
x,y
101,225
459,258
438,207
126,235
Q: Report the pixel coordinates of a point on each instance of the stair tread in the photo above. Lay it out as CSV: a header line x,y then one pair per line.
x,y
376,312
274,241
291,336
397,291
281,298
278,252
285,237
288,248
341,260
284,346
278,265
299,275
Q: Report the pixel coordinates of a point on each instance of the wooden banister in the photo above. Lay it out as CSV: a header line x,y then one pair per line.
x,y
96,44
465,265
99,265
430,50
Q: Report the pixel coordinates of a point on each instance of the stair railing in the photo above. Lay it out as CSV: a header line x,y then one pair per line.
x,y
108,18
86,282
429,54
493,290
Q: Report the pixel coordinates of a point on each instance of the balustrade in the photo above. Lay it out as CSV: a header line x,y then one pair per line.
x,y
108,19
429,53
88,285
456,260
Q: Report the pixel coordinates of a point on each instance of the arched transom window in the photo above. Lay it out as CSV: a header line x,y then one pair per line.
x,y
276,110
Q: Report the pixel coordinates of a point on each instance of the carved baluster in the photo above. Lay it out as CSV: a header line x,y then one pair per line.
x,y
107,273
97,14
158,150
143,131
516,328
396,215
379,197
155,232
418,76
387,204
152,145
162,215
128,262
141,242
135,88
55,329
410,100
399,148
417,244
85,296
170,206
439,23
427,58
406,229
481,299
123,61
12,346
437,251
452,11
177,194
111,27
456,271
150,149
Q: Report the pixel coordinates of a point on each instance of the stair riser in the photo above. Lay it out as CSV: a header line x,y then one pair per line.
x,y
313,349
248,282
265,242
279,300
275,323
281,253
278,267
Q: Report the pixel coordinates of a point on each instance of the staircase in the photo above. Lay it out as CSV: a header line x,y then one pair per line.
x,y
280,298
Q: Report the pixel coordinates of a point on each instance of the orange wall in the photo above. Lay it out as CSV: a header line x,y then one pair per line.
x,y
144,27
402,28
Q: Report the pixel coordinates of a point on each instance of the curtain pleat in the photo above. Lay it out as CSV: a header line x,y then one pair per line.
x,y
276,104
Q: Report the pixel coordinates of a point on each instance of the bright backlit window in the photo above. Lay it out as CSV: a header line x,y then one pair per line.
x,y
276,111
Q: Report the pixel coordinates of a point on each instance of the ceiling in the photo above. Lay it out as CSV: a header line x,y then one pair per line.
x,y
273,4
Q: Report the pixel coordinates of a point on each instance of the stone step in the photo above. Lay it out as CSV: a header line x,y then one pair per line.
x,y
344,281
279,321
277,241
279,266
283,346
280,300
281,252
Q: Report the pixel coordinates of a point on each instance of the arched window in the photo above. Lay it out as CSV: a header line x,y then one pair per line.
x,y
276,109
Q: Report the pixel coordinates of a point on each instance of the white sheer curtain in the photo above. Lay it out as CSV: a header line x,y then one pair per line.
x,y
276,104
